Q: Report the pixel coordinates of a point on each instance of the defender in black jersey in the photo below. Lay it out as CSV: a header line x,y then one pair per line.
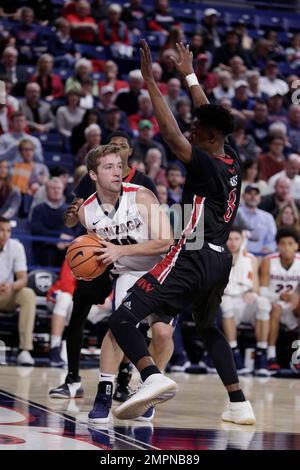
x,y
94,292
191,273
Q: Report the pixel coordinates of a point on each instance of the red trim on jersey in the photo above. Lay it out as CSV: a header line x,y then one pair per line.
x,y
273,256
162,269
90,199
226,159
128,190
130,176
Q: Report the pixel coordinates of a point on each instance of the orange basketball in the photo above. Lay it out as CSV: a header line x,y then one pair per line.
x,y
81,258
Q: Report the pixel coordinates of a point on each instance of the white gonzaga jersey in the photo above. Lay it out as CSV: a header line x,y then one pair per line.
x,y
123,226
241,275
282,279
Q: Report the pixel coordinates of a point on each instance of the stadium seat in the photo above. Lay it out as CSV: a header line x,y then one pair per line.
x,y
92,52
59,159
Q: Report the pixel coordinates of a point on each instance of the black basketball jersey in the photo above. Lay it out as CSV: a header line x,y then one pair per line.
x,y
213,184
87,187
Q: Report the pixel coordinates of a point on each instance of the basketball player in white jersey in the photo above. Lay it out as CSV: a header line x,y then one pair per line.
x,y
242,304
279,279
137,232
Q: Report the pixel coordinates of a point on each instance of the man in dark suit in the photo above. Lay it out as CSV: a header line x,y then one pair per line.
x,y
38,113
16,73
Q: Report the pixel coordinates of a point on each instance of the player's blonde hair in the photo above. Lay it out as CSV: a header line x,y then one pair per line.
x,y
95,154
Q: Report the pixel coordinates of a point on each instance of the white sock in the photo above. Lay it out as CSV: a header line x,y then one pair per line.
x,y
262,344
271,352
233,344
55,341
106,377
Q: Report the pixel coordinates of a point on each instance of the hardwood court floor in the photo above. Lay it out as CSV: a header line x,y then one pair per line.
x,y
29,419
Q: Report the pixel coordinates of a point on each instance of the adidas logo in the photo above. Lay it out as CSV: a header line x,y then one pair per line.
x,y
127,304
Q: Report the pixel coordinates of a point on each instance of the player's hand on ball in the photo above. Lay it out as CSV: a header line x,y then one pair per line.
x,y
109,252
184,63
146,62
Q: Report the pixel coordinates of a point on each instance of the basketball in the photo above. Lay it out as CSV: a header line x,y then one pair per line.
x,y
81,258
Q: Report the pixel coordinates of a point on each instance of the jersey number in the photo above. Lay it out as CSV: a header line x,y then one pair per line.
x,y
231,206
280,287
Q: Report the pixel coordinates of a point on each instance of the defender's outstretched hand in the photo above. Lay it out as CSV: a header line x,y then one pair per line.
x,y
146,62
184,63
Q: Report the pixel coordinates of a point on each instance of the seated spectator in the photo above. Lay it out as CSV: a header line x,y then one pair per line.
x,y
153,167
277,49
209,29
26,34
106,101
273,160
69,115
271,84
288,217
14,291
284,267
276,109
11,101
83,71
10,197
230,49
99,10
50,84
9,68
111,78
250,175
28,175
38,113
259,125
134,15
245,143
293,52
62,46
174,36
145,141
291,171
173,94
47,221
161,18
83,25
9,142
145,111
183,115
112,123
225,88
175,182
127,100
294,127
252,77
242,304
272,203
92,136
40,196
91,116
262,53
87,100
259,223
157,73
241,100
208,80
162,192
237,68
112,30
167,65
69,8
241,29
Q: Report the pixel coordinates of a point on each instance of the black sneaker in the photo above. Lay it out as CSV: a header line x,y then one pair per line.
x,y
69,389
121,393
273,366
55,358
239,362
261,364
102,404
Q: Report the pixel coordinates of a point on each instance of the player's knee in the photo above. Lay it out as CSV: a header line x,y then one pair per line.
x,y
120,317
162,335
276,312
264,309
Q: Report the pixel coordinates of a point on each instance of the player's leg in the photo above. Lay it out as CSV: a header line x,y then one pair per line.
x,y
161,346
275,316
295,361
262,325
58,323
122,390
232,314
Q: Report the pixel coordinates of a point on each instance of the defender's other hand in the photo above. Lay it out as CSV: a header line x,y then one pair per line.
x,y
146,62
184,63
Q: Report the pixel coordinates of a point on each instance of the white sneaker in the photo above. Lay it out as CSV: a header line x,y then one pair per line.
x,y
157,388
25,359
240,412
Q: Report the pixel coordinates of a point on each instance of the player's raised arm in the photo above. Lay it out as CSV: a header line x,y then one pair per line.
x,y
184,65
167,123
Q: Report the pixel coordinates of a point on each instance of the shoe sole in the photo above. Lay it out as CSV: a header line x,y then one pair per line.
x,y
136,409
64,397
143,419
245,421
57,364
100,420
